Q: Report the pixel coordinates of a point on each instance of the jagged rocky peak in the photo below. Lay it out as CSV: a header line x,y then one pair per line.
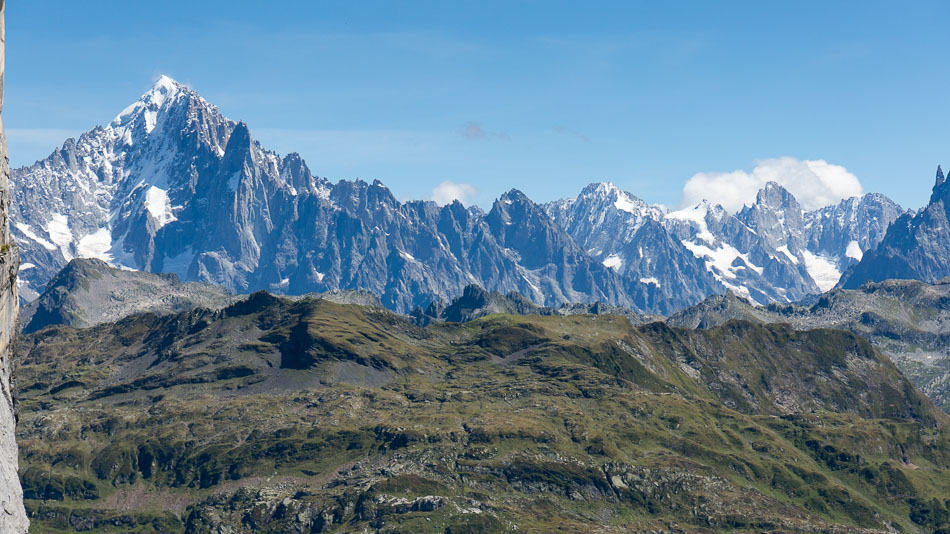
x,y
513,197
515,207
775,203
775,196
164,95
618,198
165,110
915,247
940,187
109,193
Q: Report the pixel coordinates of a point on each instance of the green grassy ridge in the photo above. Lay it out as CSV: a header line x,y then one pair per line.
x,y
537,422
904,318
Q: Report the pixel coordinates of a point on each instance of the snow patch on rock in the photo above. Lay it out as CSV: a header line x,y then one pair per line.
x,y
58,230
696,215
854,251
30,234
158,205
96,245
784,250
822,270
613,262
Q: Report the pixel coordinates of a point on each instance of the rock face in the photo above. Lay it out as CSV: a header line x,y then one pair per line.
x,y
916,247
475,302
13,515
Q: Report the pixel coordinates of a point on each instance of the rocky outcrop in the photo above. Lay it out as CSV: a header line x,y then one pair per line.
x,y
12,514
475,302
88,292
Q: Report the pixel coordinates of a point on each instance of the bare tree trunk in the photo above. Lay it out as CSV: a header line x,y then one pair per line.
x,y
12,514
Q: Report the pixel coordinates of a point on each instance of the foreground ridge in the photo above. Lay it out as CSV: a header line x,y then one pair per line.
x,y
902,318
275,414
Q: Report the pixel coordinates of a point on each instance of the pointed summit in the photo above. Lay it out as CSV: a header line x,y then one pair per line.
x,y
513,196
167,83
940,187
914,248
601,188
240,138
164,95
774,195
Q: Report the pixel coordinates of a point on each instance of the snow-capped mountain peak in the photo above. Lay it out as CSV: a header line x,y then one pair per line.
x,y
124,181
152,108
164,92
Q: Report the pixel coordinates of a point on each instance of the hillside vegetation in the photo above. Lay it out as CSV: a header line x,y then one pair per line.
x,y
274,415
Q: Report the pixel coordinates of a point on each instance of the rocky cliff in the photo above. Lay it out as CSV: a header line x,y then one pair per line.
x,y
13,516
88,292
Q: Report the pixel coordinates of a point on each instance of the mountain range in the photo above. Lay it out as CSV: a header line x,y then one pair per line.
x,y
172,186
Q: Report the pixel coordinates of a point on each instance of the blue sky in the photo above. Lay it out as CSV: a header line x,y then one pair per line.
x,y
542,96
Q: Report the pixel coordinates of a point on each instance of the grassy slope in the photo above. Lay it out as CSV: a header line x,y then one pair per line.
x,y
906,319
275,416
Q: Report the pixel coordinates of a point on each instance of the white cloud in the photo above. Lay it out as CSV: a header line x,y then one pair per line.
x,y
447,191
815,183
